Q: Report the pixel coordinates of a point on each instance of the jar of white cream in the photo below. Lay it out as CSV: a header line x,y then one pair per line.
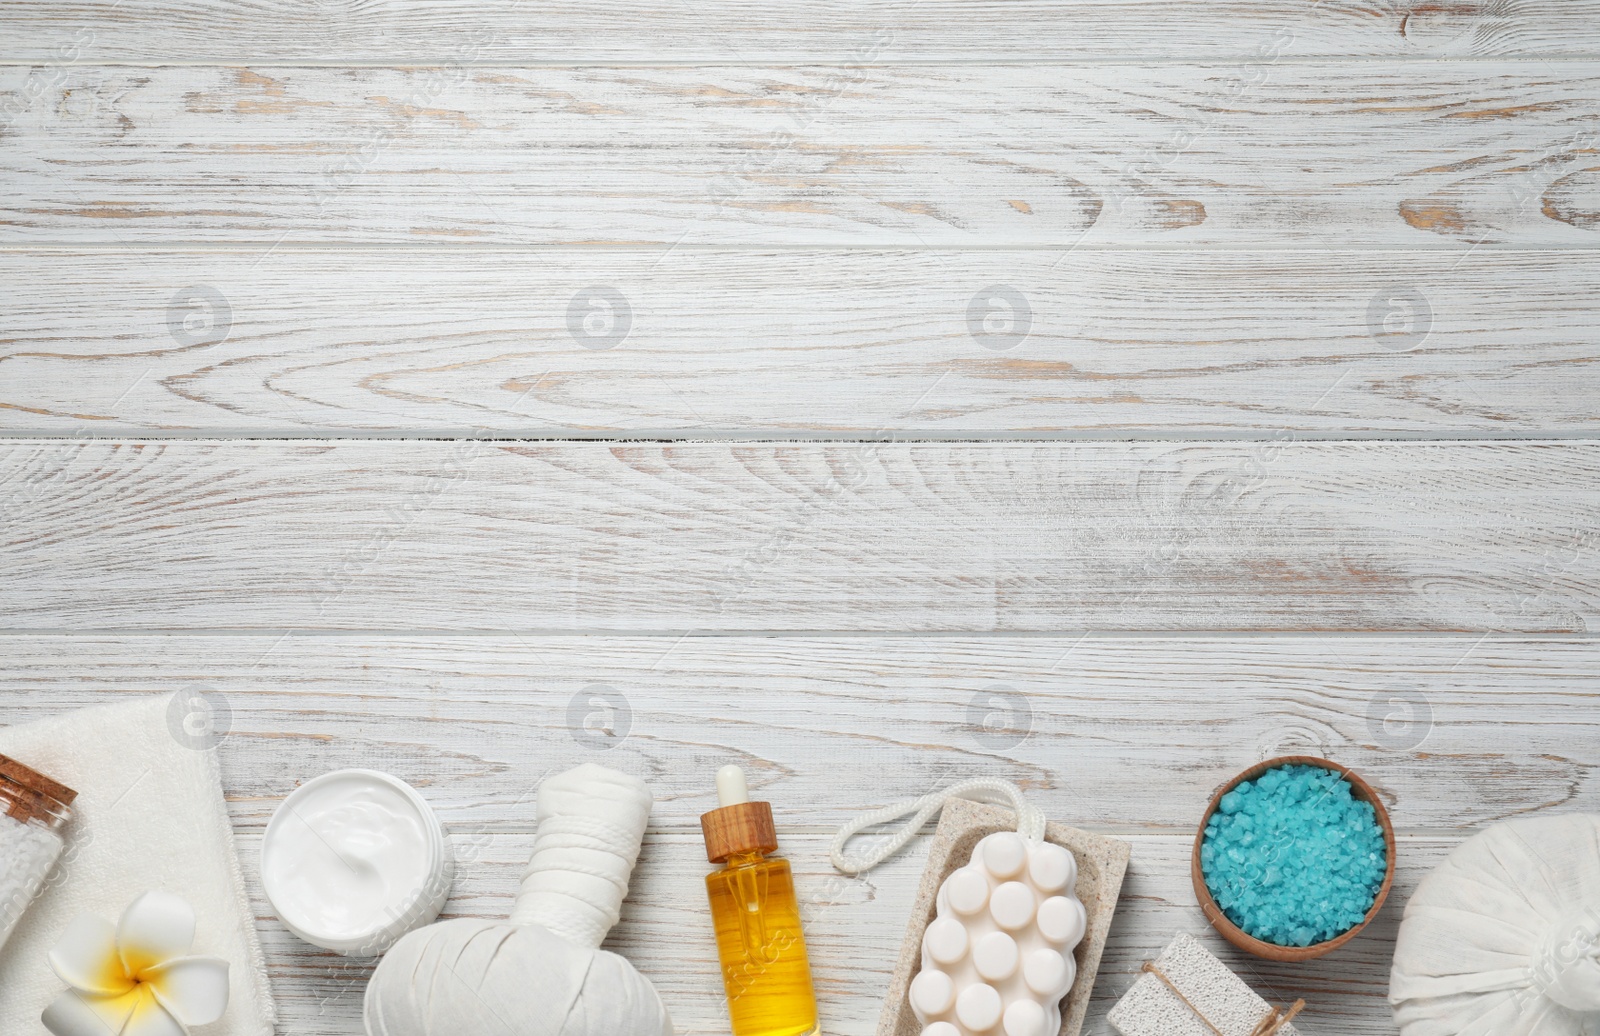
x,y
353,860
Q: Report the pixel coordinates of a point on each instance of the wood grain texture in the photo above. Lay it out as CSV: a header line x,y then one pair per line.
x,y
844,344
480,535
1256,219
1129,734
843,31
1265,154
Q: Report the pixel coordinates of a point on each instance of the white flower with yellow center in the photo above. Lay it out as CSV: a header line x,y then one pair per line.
x,y
136,978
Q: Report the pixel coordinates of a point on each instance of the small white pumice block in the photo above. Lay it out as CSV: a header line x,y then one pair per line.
x,y
997,959
1151,1009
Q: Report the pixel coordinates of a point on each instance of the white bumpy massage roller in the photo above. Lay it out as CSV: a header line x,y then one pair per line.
x,y
998,957
542,973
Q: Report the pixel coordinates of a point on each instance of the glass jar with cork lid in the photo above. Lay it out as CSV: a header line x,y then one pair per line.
x,y
33,810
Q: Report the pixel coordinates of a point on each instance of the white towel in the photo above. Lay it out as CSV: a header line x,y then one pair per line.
x,y
149,815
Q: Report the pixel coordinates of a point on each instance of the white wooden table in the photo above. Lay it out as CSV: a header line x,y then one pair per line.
x,y
1099,395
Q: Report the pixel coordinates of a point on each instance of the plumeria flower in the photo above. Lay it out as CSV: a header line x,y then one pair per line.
x,y
136,978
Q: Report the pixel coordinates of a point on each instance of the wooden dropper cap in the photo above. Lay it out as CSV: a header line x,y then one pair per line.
x,y
737,825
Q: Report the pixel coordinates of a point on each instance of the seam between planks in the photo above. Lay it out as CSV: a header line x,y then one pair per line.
x,y
1446,247
756,437
703,633
812,60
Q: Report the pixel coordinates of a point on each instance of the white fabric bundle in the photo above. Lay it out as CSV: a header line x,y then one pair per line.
x,y
1503,939
541,973
591,823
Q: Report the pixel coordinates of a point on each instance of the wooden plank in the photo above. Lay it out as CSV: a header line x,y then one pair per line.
x,y
1375,154
1129,734
478,535
853,931
840,343
847,31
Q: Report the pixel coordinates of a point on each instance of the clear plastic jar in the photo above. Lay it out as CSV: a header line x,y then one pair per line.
x,y
33,809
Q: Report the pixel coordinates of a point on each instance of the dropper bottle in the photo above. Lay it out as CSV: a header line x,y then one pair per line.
x,y
757,918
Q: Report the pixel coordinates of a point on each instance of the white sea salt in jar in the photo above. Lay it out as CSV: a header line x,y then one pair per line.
x,y
33,809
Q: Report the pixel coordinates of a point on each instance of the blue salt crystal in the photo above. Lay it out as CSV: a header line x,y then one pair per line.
x,y
1292,857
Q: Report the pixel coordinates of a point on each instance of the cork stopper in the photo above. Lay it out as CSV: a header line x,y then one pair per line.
x,y
737,825
28,794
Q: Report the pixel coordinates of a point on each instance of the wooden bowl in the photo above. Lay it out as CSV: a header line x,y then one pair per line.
x,y
1360,789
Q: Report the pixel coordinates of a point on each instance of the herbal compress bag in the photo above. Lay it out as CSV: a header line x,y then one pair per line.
x,y
542,972
1501,939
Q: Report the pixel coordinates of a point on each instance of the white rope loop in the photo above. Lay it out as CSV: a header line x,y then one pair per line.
x,y
1030,822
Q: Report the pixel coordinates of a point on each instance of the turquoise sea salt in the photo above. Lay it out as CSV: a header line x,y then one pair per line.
x,y
1292,857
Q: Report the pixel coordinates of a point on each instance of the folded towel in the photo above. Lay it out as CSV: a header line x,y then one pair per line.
x,y
149,815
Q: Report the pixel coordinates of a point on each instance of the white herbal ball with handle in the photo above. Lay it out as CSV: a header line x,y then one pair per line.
x,y
542,972
1503,938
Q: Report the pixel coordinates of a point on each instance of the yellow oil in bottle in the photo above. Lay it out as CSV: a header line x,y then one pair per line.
x,y
757,919
761,946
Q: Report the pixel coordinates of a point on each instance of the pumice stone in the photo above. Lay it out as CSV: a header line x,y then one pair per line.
x,y
997,959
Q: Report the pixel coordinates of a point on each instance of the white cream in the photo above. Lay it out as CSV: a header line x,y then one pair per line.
x,y
353,860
